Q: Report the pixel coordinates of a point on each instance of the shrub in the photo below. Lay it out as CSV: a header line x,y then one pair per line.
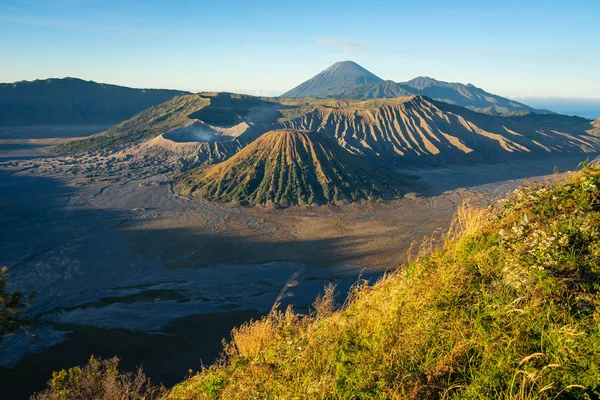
x,y
12,306
99,379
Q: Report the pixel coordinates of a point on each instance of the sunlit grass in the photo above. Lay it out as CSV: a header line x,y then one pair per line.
x,y
505,306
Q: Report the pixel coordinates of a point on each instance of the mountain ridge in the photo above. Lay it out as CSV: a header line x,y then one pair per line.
x,y
468,95
419,130
74,101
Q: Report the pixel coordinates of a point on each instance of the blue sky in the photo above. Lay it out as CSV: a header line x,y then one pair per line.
x,y
512,48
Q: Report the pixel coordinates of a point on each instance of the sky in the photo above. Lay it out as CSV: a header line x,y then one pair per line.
x,y
518,49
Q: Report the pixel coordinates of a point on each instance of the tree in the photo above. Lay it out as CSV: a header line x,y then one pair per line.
x,y
12,306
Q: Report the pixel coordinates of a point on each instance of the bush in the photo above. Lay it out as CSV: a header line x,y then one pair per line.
x,y
12,306
99,380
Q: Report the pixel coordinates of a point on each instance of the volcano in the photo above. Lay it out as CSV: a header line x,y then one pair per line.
x,y
291,167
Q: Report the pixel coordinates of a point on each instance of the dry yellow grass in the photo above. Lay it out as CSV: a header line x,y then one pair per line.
x,y
492,312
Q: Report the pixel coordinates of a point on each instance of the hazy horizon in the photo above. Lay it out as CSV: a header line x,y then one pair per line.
x,y
582,107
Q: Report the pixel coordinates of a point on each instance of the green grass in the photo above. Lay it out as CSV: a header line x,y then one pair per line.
x,y
505,306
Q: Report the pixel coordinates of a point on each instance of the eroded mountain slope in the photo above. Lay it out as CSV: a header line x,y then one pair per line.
x,y
418,129
289,167
210,127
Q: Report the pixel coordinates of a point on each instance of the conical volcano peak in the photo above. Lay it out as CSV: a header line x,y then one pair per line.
x,y
291,167
338,77
351,68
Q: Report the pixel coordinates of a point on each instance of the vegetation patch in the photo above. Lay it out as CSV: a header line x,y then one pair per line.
x,y
506,306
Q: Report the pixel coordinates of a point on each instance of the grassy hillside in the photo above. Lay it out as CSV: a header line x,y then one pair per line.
x,y
506,306
74,101
145,125
212,108
287,167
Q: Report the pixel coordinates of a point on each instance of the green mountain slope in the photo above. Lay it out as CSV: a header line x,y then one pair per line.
x,y
506,307
287,167
73,101
212,108
345,87
145,125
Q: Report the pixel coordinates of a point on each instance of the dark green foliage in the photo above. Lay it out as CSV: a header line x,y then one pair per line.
x,y
12,306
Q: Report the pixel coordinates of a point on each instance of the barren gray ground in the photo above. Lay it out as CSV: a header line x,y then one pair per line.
x,y
119,250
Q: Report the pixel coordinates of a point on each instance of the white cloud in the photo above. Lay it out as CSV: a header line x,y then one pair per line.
x,y
348,46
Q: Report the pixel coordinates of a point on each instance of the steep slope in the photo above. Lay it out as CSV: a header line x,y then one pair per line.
x,y
73,101
213,109
507,307
420,130
335,79
380,90
145,125
288,167
339,81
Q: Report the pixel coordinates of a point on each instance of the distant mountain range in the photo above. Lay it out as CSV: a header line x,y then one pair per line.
x,y
74,101
412,130
349,80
